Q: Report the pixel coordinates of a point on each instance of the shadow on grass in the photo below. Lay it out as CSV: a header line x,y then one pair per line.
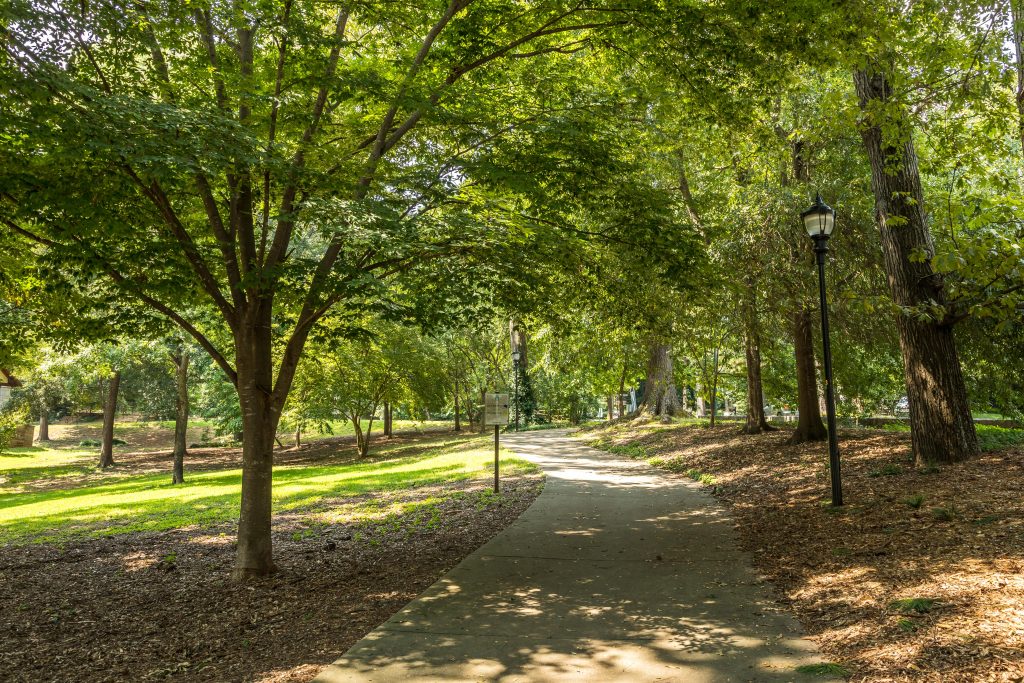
x,y
151,503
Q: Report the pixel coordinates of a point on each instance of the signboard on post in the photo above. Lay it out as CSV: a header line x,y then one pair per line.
x,y
495,409
496,413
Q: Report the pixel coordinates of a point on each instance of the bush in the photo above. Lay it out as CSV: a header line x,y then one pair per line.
x,y
10,419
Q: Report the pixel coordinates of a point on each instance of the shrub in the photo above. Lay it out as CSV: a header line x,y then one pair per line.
x,y
10,419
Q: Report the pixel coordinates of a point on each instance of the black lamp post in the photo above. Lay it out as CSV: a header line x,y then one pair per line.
x,y
515,391
819,221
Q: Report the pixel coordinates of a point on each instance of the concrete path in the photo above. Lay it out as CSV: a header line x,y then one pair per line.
x,y
616,573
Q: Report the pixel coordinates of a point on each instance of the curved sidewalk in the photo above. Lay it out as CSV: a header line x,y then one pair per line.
x,y
616,573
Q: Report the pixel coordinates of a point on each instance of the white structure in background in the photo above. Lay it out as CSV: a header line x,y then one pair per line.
x,y
7,382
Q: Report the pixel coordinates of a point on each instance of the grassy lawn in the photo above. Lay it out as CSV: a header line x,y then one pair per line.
x,y
142,435
990,437
124,503
23,465
344,428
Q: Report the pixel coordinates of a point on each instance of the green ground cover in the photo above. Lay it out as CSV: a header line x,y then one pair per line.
x,y
23,465
127,503
990,437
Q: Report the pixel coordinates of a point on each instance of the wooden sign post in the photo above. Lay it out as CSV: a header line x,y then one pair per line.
x,y
496,413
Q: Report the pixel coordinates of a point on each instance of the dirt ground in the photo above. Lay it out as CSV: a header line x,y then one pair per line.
x,y
161,606
920,577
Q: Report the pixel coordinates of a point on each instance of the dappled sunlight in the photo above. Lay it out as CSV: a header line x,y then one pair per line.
x,y
616,571
123,503
919,577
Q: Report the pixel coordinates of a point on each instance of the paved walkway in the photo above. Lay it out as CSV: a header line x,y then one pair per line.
x,y
616,573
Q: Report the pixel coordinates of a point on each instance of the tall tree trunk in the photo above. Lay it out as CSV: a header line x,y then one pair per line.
x,y
261,406
661,399
809,426
610,407
44,424
458,423
387,419
756,420
109,411
941,425
699,395
181,360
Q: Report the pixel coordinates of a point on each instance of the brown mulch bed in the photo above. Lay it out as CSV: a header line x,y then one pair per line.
x,y
954,536
161,606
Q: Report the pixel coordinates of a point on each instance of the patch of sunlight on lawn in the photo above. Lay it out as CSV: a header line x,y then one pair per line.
x,y
20,465
150,503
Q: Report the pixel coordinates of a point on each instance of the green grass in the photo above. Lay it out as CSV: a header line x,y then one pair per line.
x,y
24,465
702,477
344,428
915,501
906,625
992,438
912,605
889,470
150,503
629,450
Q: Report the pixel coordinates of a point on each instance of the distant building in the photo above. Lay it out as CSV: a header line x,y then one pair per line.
x,y
7,382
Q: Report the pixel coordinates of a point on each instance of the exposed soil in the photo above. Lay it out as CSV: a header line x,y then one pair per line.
x,y
954,537
161,606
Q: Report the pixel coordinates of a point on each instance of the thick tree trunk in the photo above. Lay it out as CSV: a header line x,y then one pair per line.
x,y
180,416
756,421
660,397
941,425
109,411
387,419
261,412
298,439
809,426
610,406
44,424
